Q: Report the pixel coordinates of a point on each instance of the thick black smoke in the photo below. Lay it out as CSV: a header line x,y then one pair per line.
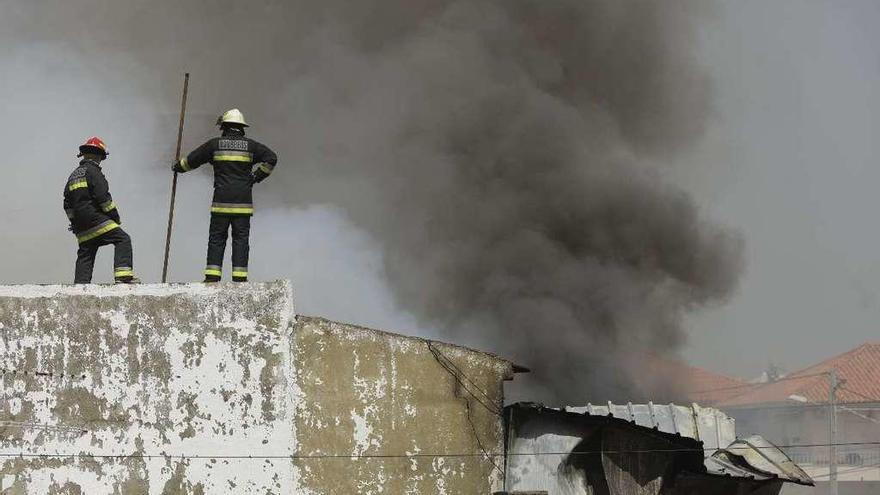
x,y
499,151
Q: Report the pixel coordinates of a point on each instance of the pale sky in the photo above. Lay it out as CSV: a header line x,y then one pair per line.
x,y
792,162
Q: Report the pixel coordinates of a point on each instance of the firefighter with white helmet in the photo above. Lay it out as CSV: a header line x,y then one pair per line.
x,y
94,217
239,163
232,117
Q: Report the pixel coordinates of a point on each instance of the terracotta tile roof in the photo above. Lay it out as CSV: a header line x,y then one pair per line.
x,y
691,383
860,368
707,388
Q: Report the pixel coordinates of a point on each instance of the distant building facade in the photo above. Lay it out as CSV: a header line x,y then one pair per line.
x,y
794,411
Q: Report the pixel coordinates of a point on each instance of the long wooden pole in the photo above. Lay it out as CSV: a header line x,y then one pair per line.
x,y
174,180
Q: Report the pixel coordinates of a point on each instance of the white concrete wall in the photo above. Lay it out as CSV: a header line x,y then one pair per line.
x,y
183,375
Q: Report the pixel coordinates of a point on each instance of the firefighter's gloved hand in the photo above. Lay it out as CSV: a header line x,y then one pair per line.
x,y
70,228
175,166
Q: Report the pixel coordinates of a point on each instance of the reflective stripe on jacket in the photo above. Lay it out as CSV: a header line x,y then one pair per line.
x,y
238,162
87,202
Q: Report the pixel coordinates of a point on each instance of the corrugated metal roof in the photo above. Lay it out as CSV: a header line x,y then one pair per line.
x,y
725,455
757,458
708,425
721,465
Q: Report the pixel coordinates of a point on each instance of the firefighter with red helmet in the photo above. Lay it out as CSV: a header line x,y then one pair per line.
x,y
93,215
239,163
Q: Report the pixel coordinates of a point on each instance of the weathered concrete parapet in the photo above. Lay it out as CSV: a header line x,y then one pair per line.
x,y
204,389
381,397
152,373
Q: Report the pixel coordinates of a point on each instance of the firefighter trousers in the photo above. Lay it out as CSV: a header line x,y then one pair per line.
x,y
122,256
217,235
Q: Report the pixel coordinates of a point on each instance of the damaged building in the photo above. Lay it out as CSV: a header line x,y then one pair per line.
x,y
203,389
639,449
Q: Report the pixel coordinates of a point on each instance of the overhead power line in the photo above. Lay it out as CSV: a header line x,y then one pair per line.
x,y
458,374
461,377
870,399
355,457
854,469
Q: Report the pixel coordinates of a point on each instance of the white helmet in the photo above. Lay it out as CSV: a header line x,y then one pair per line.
x,y
233,116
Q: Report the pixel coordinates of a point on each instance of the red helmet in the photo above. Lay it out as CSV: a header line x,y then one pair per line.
x,y
94,145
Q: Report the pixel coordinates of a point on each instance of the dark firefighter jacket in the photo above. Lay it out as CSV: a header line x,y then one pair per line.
x,y
88,203
239,162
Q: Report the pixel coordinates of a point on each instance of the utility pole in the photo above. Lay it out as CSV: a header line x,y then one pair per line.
x,y
832,432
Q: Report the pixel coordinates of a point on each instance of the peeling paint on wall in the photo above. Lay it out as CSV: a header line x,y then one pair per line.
x,y
377,394
167,389
146,388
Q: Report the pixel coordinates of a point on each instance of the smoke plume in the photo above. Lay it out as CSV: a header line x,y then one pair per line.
x,y
501,152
